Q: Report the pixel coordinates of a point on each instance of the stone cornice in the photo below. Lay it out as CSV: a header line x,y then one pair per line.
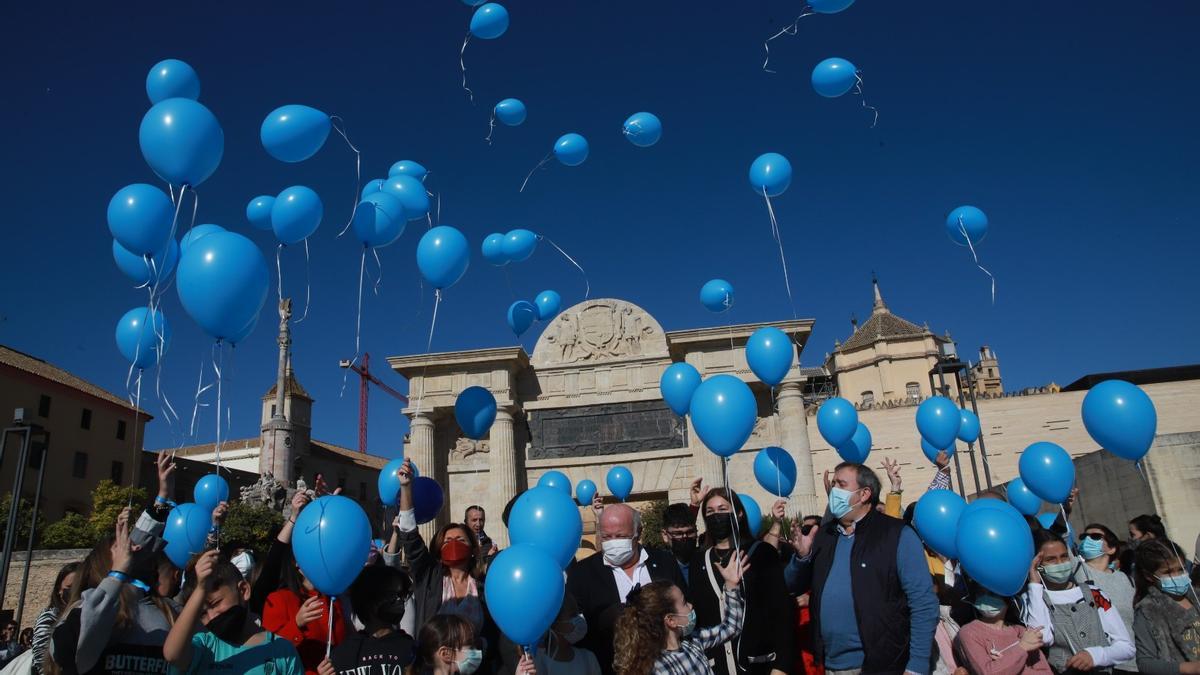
x,y
473,359
739,333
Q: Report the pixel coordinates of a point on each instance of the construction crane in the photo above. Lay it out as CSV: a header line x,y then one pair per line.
x,y
366,379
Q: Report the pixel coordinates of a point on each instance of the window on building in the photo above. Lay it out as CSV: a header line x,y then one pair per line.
x,y
79,466
44,406
868,398
120,430
85,420
991,372
913,390
118,469
272,410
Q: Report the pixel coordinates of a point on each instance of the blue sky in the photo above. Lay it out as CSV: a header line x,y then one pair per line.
x,y
1070,124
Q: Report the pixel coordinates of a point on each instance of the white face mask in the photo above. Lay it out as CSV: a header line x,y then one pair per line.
x,y
617,551
577,631
244,561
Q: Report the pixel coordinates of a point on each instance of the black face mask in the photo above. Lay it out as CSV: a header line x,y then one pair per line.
x,y
391,611
683,548
228,624
719,525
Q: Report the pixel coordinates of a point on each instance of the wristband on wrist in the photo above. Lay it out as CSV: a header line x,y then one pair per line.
x,y
159,499
140,585
119,576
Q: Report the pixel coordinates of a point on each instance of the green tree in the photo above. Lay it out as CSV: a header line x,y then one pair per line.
x,y
652,523
23,511
252,525
107,501
73,531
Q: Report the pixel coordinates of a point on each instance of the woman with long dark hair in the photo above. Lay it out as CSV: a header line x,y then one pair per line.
x,y
1165,614
43,628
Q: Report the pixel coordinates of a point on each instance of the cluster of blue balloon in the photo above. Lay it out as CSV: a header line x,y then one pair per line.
x,y
837,421
180,139
401,197
940,423
522,313
188,524
427,492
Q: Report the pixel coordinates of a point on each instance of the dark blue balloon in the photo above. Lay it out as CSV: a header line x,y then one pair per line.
x,y
237,338
837,420
642,129
1022,499
723,413
143,270
829,6
770,173
407,167
936,520
518,245
521,315
186,532
374,185
172,78
1047,471
938,421
210,491
968,426
753,514
443,256
140,217
968,218
293,133
196,233
585,490
489,21
557,480
716,295
379,220
296,214
223,283
678,384
833,77
143,336
1047,519
770,352
620,482
389,482
475,411
775,471
858,447
427,498
571,149
547,517
411,193
548,303
524,593
331,543
995,546
931,452
258,212
493,249
510,112
1121,418
182,141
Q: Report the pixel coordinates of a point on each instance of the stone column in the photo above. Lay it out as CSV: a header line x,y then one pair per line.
x,y
708,465
502,473
420,450
793,436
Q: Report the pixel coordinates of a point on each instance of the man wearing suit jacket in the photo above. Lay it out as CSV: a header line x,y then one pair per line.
x,y
601,582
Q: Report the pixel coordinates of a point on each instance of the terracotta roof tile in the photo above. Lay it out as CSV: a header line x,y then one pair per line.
x,y
35,366
881,325
291,388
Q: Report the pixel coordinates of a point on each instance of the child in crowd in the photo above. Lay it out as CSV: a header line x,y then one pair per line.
x,y
992,644
561,656
380,648
1166,619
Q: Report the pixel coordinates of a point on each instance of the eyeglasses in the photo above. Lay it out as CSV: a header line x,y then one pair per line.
x,y
678,536
1090,535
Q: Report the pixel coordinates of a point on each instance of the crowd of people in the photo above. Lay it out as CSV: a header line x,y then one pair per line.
x,y
854,590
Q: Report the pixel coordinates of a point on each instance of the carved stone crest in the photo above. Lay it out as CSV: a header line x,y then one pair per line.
x,y
465,447
599,330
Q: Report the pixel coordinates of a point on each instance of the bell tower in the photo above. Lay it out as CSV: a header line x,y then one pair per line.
x,y
287,412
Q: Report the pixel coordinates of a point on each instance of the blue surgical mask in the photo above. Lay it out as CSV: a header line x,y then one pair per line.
x,y
690,626
989,606
1059,573
1090,548
469,660
839,502
1176,586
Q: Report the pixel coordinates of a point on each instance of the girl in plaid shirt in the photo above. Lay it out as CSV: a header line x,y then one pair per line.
x,y
656,632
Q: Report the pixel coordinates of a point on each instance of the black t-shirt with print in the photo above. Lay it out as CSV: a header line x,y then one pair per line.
x,y
361,654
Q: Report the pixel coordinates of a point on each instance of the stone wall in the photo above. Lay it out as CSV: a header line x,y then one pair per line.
x,y
43,568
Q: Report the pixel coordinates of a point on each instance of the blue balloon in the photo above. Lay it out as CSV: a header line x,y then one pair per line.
x,y
521,315
678,384
833,77
557,480
1047,471
186,532
771,173
379,220
620,482
197,233
182,141
988,503
585,490
1121,418
172,78
293,133
411,193
770,352
296,214
995,547
140,217
519,244
524,592
146,270
936,519
753,514
829,6
571,149
407,167
837,420
223,283
775,471
389,482
938,421
332,542
547,304
210,491
967,218
237,338
143,337
723,413
374,185
1047,519
1022,499
642,129
510,112
489,21
968,426
493,249
443,256
427,498
716,295
931,452
475,411
547,517
858,447
258,212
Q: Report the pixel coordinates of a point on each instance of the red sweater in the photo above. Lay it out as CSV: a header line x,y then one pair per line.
x,y
279,617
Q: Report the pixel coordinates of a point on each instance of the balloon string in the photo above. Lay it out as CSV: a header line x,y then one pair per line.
x,y
437,299
195,208
200,389
963,228
439,208
137,410
164,404
539,165
737,534
587,284
779,242
858,89
508,282
279,271
379,271
1142,472
462,64
307,286
218,357
339,125
790,29
171,191
329,634
491,128
362,266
